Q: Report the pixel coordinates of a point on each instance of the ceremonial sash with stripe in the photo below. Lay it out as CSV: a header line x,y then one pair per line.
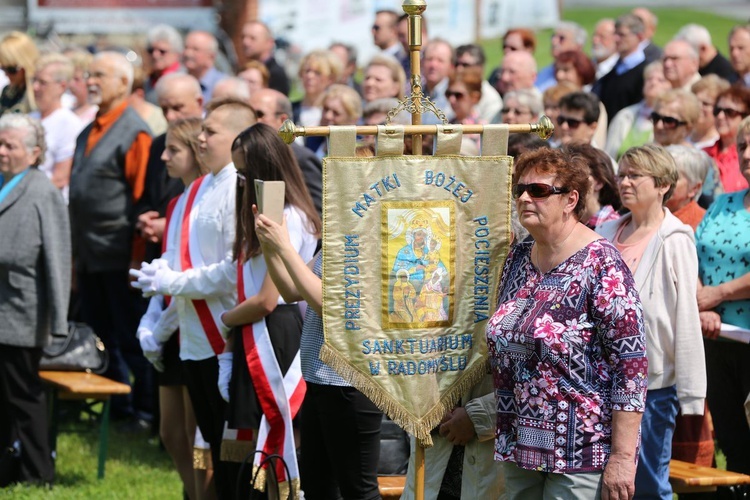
x,y
190,257
167,231
280,396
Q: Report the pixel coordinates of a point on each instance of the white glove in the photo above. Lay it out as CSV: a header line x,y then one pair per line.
x,y
153,281
151,348
225,373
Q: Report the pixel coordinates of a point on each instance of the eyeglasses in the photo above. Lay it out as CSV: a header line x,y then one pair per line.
x,y
516,111
464,64
457,95
10,70
260,114
573,123
632,176
41,82
98,75
159,51
669,122
728,112
537,190
559,36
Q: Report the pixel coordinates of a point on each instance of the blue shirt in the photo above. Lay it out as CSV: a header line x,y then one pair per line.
x,y
724,251
5,189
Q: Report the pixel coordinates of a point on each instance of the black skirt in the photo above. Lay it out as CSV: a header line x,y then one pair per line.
x,y
170,356
285,328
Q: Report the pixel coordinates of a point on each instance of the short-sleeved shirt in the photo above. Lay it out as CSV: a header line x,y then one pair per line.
x,y
723,242
313,369
567,349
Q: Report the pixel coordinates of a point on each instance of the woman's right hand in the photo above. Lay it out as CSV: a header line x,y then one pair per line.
x,y
710,324
272,236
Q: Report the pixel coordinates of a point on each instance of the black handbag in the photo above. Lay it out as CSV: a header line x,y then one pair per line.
x,y
79,351
394,449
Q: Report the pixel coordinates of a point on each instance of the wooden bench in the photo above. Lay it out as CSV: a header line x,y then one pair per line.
x,y
690,478
82,386
391,487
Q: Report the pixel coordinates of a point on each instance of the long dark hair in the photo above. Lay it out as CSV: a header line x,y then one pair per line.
x,y
265,156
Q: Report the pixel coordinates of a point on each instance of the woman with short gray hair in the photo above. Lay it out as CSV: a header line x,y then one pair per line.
x,y
35,274
692,167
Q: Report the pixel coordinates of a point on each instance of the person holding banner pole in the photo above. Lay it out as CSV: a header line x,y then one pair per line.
x,y
567,345
264,383
340,427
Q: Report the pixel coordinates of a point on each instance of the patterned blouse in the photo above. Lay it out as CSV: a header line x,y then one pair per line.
x,y
567,348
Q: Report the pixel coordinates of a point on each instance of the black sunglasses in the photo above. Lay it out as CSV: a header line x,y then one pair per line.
x,y
573,123
668,122
151,51
728,112
537,190
457,95
10,70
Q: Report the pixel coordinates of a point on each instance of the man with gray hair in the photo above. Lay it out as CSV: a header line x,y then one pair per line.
x,y
623,86
604,47
199,58
109,168
567,36
179,96
710,60
680,62
164,48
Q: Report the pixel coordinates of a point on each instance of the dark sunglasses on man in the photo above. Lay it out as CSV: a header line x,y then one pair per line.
x,y
668,122
573,123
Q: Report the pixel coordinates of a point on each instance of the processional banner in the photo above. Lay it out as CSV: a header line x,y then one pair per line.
x,y
413,247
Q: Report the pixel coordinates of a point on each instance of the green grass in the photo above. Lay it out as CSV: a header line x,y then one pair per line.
x,y
670,21
136,469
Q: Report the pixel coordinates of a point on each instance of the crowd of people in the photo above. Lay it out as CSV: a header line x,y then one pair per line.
x,y
128,202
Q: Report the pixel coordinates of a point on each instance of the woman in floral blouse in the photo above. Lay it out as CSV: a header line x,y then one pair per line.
x,y
567,346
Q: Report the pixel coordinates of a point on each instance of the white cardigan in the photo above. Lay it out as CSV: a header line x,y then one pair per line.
x,y
667,280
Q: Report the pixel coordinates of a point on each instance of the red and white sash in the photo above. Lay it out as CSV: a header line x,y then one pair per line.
x,y
208,311
280,396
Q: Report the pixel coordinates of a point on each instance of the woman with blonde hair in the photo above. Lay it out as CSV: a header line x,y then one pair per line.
x,y
18,55
318,70
156,331
383,77
675,112
81,60
707,89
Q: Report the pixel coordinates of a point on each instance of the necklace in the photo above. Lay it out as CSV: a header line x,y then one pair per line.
x,y
538,263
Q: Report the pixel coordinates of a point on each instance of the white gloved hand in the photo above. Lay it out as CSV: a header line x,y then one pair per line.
x,y
151,348
154,282
225,373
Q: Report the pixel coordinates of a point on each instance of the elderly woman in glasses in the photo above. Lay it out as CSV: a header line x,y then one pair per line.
x,y
18,55
520,106
567,345
674,115
731,107
660,252
34,287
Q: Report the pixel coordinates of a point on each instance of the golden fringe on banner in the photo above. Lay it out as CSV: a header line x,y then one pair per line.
x,y
236,451
202,459
419,428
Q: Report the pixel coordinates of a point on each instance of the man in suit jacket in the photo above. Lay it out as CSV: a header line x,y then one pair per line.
x,y
272,108
34,291
623,86
258,44
179,96
109,171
